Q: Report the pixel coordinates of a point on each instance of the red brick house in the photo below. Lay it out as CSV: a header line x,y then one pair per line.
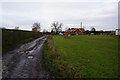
x,y
75,31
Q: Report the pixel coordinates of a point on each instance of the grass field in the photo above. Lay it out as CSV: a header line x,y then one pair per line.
x,y
13,38
93,56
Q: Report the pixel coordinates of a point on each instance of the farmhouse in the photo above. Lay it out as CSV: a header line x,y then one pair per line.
x,y
117,32
75,31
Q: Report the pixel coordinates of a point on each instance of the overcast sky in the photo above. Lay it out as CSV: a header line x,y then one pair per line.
x,y
103,15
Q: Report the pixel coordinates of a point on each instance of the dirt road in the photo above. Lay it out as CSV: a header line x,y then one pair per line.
x,y
26,61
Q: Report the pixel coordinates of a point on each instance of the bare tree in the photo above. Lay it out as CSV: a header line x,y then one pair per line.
x,y
56,27
66,29
36,27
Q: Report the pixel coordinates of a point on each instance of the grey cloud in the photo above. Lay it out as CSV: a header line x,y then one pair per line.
x,y
103,15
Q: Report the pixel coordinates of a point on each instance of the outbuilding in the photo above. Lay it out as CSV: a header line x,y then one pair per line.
x,y
117,32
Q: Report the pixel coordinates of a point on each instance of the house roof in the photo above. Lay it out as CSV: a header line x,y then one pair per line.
x,y
117,29
74,29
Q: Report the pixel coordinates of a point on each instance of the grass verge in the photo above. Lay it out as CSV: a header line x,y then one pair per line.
x,y
55,64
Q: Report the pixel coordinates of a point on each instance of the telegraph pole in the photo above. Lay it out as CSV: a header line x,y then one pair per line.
x,y
81,24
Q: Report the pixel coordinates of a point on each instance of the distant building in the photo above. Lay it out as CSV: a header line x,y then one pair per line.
x,y
60,33
75,31
117,32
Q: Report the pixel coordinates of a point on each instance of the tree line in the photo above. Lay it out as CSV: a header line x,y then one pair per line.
x,y
56,28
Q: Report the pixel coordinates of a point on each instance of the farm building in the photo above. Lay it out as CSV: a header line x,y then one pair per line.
x,y
75,31
117,32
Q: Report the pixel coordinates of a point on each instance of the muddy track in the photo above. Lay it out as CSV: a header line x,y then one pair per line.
x,y
26,61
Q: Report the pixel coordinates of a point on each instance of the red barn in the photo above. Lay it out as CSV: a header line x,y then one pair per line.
x,y
76,31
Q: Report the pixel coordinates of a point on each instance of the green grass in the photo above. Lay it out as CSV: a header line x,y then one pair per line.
x,y
13,38
93,56
55,64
